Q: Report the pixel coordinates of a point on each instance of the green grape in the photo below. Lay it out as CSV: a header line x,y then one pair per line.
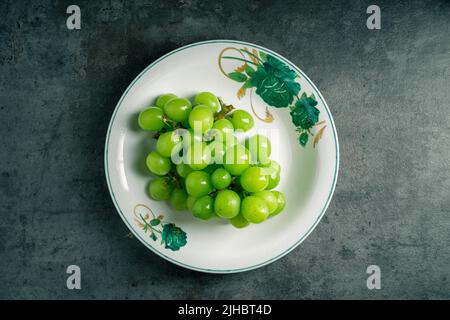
x,y
253,179
254,209
178,109
218,148
198,184
223,125
217,151
239,221
208,99
168,143
190,202
160,188
201,118
227,204
230,141
223,129
163,99
270,198
151,119
188,137
158,164
274,167
198,156
193,137
236,159
260,148
241,120
183,170
272,170
281,201
204,208
178,199
220,178
273,181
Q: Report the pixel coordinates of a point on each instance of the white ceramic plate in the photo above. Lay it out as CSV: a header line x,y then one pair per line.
x,y
308,174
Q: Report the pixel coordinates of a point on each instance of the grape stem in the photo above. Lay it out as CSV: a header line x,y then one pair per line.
x,y
175,179
224,110
170,125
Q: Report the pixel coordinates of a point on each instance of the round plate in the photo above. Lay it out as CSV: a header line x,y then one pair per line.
x,y
281,98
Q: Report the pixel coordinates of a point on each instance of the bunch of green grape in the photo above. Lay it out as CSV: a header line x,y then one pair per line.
x,y
201,166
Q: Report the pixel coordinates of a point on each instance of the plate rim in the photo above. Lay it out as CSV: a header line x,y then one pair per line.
x,y
206,270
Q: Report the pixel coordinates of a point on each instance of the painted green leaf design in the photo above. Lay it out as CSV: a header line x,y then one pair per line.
x,y
279,68
303,139
273,91
173,237
155,222
237,76
263,56
249,70
305,114
275,83
247,84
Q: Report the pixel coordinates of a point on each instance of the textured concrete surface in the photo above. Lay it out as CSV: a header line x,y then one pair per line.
x,y
388,90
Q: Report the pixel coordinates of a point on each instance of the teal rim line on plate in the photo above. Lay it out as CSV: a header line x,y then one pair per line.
x,y
336,169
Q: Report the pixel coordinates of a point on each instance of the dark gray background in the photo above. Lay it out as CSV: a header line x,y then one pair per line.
x,y
388,91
